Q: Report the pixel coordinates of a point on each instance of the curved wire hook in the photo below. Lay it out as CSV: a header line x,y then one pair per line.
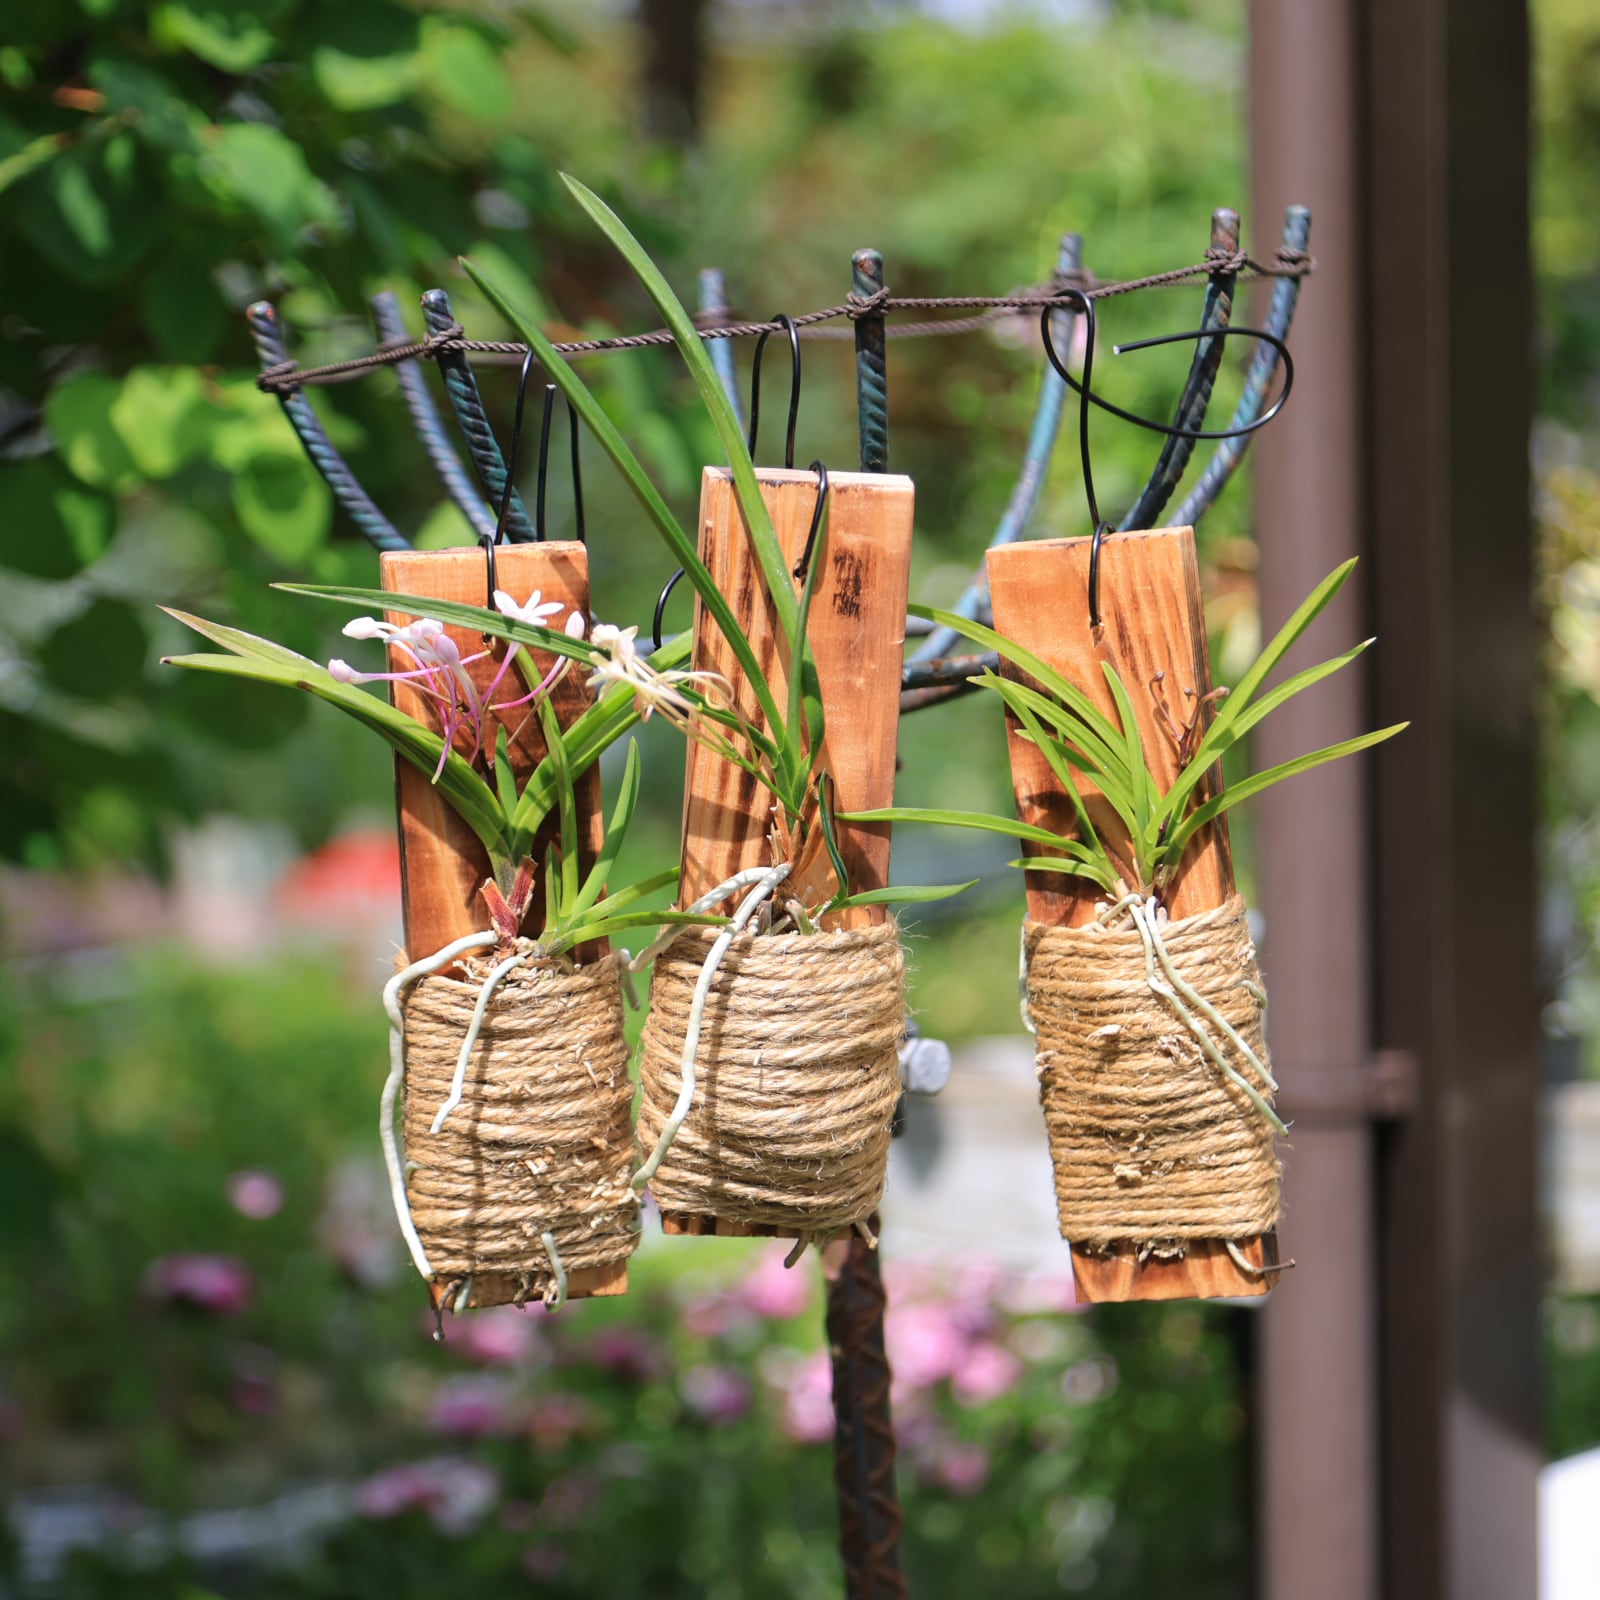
x,y
661,604
1088,397
787,324
803,565
490,540
544,464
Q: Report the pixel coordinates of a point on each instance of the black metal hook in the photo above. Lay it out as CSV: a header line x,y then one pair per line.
x,y
490,540
544,464
803,565
787,324
661,604
1088,397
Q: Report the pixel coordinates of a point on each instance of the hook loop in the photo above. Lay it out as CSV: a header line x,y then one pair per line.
x,y
544,465
803,565
490,540
788,325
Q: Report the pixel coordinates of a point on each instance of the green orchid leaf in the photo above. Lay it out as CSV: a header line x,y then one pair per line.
x,y
805,693
566,805
826,794
1094,871
611,441
1173,849
505,780
636,892
1143,783
467,794
616,832
960,819
902,895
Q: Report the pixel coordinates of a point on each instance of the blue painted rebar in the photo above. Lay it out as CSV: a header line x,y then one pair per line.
x,y
872,376
1191,412
1035,465
272,350
714,303
1258,380
467,403
426,420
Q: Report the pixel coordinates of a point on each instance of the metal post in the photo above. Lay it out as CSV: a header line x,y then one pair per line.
x,y
1318,1435
1401,1357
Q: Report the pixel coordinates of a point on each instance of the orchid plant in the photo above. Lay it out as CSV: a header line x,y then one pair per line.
x,y
468,759
1080,741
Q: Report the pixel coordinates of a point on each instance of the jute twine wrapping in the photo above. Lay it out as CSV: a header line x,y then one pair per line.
x,y
797,1076
1152,1145
541,1140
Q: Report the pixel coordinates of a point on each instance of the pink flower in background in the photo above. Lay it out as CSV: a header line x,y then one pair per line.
x,y
807,1412
926,1343
569,1499
627,1353
473,1407
455,1492
773,1290
499,1336
1037,1291
544,1561
963,1469
985,1372
716,1394
710,1316
255,1194
557,1418
214,1283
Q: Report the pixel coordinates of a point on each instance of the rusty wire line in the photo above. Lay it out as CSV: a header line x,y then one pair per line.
x,y
285,377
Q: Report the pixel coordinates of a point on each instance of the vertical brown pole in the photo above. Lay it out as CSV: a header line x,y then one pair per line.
x,y
1154,635
1318,1479
442,862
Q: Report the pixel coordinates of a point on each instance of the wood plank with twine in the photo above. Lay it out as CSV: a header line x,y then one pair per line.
x,y
857,633
1153,632
442,862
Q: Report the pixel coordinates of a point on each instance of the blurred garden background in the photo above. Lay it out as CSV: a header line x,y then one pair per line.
x,y
216,1377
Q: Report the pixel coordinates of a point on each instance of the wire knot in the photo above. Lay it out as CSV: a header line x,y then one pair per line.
x,y
867,305
1293,263
275,379
444,339
1221,260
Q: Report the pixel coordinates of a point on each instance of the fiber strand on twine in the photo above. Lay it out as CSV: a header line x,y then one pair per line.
x,y
1157,1138
798,1076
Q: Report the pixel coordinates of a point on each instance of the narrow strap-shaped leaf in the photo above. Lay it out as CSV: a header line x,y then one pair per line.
x,y
635,892
825,798
616,832
1106,877
978,820
605,431
1097,750
904,894
1143,783
805,696
505,780
1173,850
566,805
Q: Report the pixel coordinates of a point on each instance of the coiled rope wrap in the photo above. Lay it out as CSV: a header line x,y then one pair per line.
x,y
541,1141
798,1076
1152,1145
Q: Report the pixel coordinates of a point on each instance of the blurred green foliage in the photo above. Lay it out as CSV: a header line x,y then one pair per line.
x,y
161,166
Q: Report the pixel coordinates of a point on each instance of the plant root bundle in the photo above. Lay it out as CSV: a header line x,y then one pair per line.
x,y
1154,1080
797,1077
540,1143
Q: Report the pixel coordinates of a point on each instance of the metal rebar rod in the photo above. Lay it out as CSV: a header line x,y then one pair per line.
x,y
1191,412
1258,381
272,350
863,1440
714,303
426,420
1035,463
467,403
947,670
872,377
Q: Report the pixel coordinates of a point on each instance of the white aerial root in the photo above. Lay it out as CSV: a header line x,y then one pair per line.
x,y
1022,980
392,1158
459,1082
1250,1267
769,879
559,1298
1144,920
737,882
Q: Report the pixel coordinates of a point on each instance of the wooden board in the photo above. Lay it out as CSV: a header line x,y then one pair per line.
x,y
1153,632
442,863
857,634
